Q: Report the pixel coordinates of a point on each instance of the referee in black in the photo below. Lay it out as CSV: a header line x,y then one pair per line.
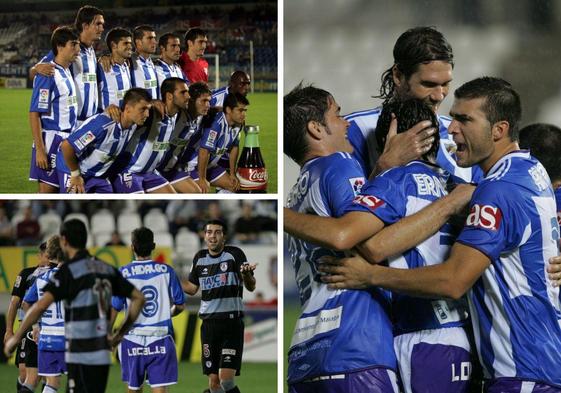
x,y
86,285
221,271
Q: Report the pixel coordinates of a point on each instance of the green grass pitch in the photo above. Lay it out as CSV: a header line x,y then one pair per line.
x,y
254,378
15,145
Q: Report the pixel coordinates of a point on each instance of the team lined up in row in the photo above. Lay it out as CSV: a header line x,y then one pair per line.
x,y
164,146
76,299
402,221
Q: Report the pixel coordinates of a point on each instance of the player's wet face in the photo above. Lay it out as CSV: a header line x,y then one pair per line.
x,y
172,50
214,237
138,112
148,42
430,83
181,96
124,47
336,128
471,132
202,104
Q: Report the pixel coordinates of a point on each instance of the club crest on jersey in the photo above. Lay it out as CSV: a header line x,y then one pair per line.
x,y
368,201
224,266
212,138
356,184
85,139
484,216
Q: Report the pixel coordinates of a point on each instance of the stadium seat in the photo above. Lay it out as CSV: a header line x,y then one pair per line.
x,y
156,221
163,239
103,222
186,244
49,223
128,221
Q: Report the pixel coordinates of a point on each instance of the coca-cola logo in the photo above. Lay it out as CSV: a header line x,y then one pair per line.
x,y
258,176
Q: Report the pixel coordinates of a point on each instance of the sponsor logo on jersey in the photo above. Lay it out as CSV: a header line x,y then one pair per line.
x,y
369,201
356,184
127,179
43,98
85,139
205,271
227,351
212,138
206,351
216,281
18,282
144,351
484,216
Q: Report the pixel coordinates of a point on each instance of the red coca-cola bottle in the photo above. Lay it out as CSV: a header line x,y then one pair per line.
x,y
251,167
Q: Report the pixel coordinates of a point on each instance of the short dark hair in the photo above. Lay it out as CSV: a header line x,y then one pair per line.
x,y
169,85
502,102
163,41
233,100
301,106
419,45
115,35
61,36
236,75
139,31
193,33
197,89
75,232
544,142
86,14
408,113
217,222
135,95
143,242
43,247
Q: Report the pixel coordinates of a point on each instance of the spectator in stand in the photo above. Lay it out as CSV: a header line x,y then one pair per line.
x,y
247,225
191,61
6,229
28,230
115,240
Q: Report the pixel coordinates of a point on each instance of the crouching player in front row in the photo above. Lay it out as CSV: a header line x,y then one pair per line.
x,y
148,348
85,159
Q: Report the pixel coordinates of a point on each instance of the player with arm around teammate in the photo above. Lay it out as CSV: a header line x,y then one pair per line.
x,y
26,354
427,331
351,349
221,271
51,341
86,285
509,235
148,348
53,111
86,158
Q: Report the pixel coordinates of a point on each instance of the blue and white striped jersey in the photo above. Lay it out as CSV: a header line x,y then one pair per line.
x,y
513,305
161,288
187,131
143,75
401,192
51,333
83,70
361,134
56,100
558,200
339,331
97,143
219,138
164,71
218,96
149,144
113,85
